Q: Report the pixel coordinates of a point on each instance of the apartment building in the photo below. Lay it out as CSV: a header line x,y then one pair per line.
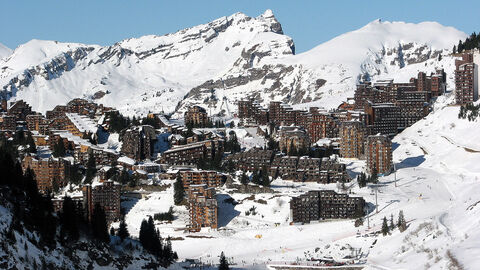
x,y
196,116
379,154
325,204
383,118
190,154
291,136
466,78
251,111
203,207
49,172
251,160
137,142
8,122
190,176
107,195
20,109
352,139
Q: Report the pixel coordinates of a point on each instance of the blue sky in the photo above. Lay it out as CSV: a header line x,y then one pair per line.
x,y
309,23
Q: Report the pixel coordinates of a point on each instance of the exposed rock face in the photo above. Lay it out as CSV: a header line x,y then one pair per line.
x,y
216,64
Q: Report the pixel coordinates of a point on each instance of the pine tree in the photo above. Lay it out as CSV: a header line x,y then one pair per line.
x,y
392,224
31,143
374,175
143,236
179,191
123,230
91,168
99,224
293,150
244,179
59,149
362,180
223,263
385,226
402,224
69,219
272,144
265,179
256,177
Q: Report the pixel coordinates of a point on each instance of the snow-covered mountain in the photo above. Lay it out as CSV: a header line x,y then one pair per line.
x,y
217,63
4,51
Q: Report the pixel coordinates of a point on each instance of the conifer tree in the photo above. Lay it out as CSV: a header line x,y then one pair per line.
x,y
385,226
59,149
256,177
223,262
99,224
91,168
69,220
402,224
31,143
362,180
293,150
179,191
123,230
265,179
244,179
392,224
144,236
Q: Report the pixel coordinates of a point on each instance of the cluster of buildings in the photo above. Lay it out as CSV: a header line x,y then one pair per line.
x,y
318,123
363,128
75,126
294,168
13,115
200,187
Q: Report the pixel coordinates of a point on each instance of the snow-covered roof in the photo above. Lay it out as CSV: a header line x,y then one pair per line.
x,y
79,141
82,123
126,160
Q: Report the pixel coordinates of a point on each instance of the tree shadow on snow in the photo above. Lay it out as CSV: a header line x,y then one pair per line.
x,y
410,162
127,203
102,136
369,207
226,209
395,146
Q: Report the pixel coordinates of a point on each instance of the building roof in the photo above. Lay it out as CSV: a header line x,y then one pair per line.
x,y
82,123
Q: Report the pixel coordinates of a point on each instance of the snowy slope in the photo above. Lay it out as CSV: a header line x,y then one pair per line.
x,y
437,188
4,51
141,74
218,63
328,73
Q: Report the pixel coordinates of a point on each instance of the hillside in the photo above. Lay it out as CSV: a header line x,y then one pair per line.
x,y
23,244
217,63
437,181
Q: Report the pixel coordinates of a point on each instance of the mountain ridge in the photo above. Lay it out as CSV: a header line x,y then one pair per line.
x,y
217,63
